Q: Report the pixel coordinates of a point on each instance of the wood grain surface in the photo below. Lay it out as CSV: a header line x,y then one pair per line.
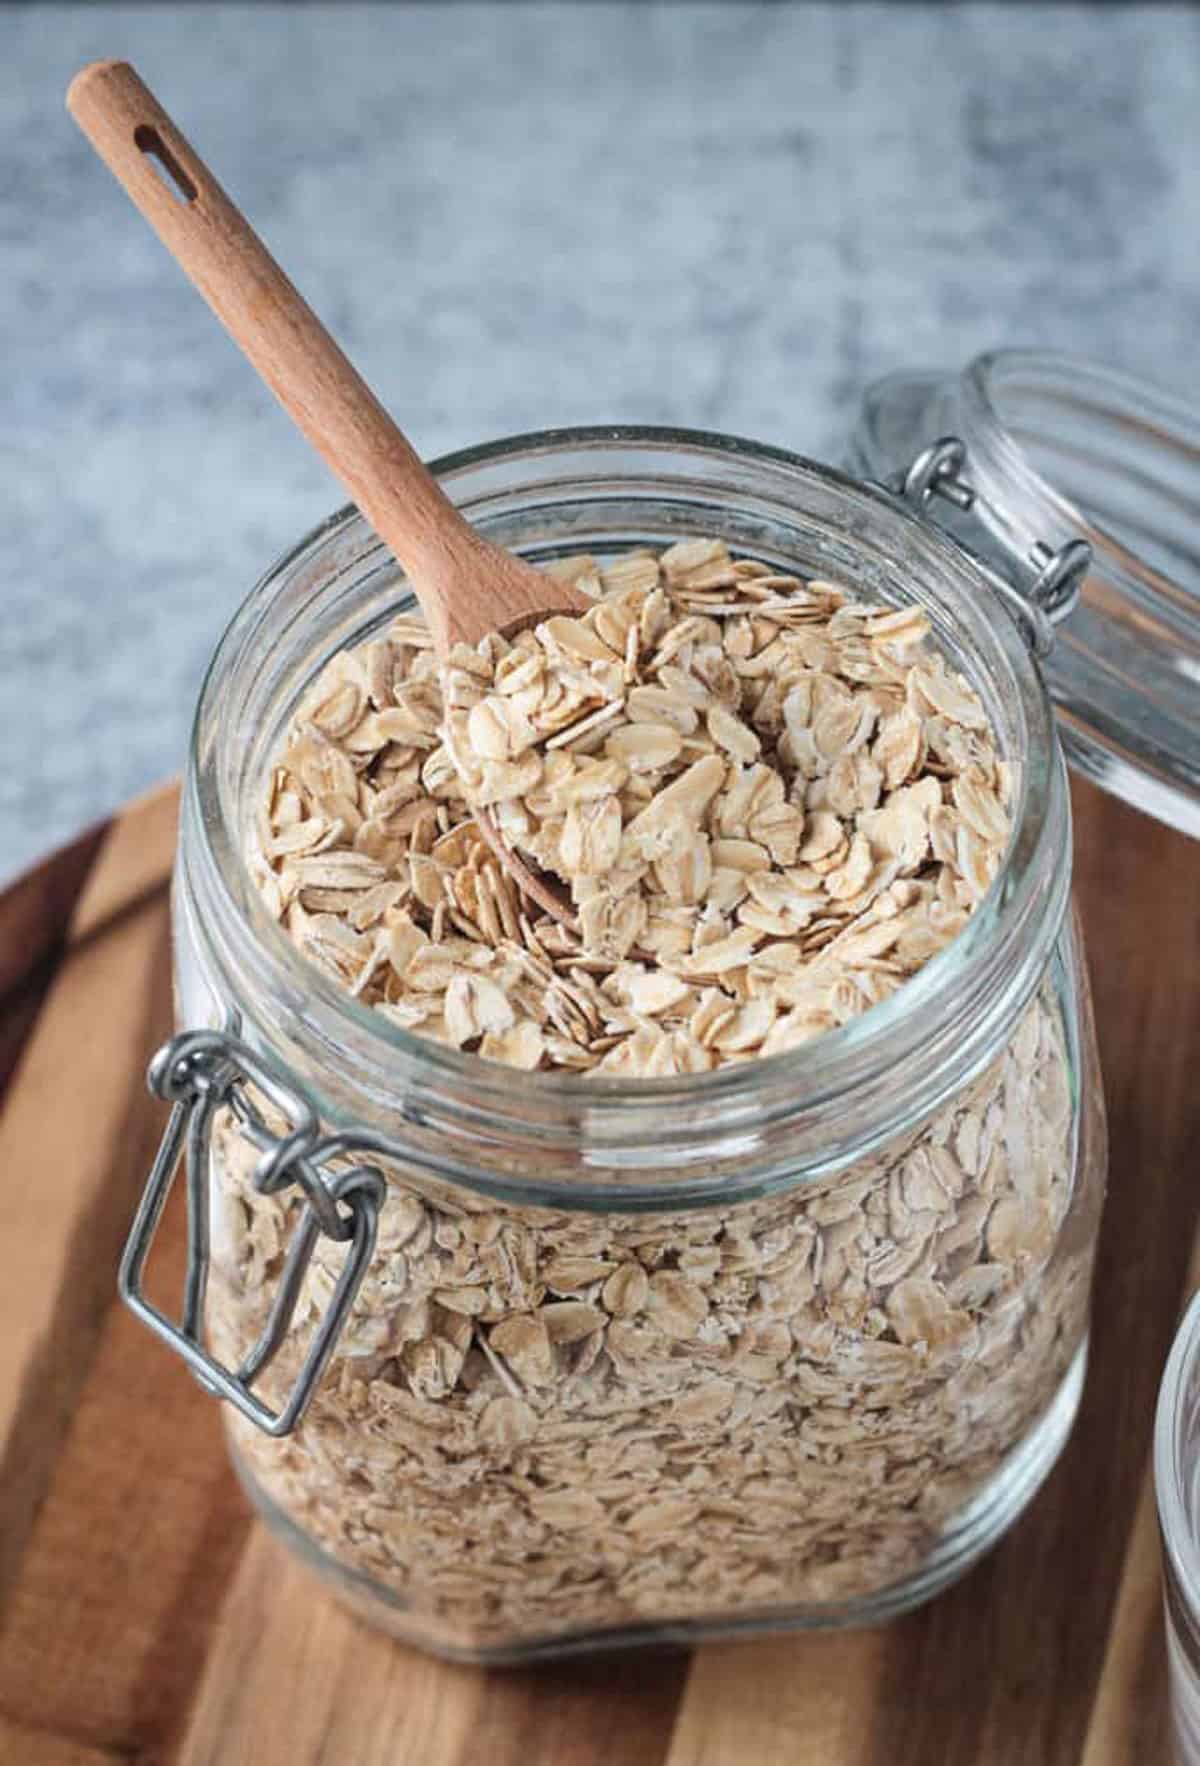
x,y
144,1616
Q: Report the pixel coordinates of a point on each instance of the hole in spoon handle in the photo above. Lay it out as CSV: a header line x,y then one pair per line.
x,y
170,172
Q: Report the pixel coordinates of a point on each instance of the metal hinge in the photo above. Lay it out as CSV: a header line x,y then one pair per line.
x,y
198,1073
1058,576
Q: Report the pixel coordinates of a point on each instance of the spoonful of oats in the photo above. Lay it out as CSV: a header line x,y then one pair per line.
x,y
466,586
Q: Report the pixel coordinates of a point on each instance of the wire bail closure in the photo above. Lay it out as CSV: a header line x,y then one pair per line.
x,y
198,1073
1058,575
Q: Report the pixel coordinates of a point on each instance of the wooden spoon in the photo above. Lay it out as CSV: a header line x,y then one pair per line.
x,y
466,586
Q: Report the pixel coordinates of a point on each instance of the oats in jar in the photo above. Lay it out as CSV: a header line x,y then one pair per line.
x,y
771,802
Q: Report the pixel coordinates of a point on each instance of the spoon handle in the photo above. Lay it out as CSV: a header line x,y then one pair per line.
x,y
311,377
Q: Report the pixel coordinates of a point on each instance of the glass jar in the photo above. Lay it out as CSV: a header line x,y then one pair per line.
x,y
1177,1485
530,1365
1063,449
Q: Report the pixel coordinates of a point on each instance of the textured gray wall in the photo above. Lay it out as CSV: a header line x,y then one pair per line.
x,y
519,215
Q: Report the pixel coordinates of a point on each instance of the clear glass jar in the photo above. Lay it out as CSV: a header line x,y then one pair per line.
x,y
1063,449
1177,1485
789,1343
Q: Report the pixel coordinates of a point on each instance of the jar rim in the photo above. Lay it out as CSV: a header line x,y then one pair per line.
x,y
1030,892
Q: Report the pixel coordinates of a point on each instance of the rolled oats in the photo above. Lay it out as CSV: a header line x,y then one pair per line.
x,y
789,1399
773,804
776,798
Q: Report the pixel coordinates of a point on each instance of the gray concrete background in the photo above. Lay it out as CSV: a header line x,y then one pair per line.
x,y
517,215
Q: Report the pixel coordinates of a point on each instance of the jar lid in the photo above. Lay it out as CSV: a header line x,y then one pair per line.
x,y
1058,452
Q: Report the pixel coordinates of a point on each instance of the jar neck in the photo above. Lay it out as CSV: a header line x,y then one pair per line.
x,y
605,1142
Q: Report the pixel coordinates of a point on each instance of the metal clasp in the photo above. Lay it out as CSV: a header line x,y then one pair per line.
x,y
198,1073
1058,576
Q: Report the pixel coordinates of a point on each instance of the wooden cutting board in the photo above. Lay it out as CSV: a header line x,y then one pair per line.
x,y
145,1617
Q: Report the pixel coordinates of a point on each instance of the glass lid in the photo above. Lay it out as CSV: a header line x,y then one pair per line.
x,y
1058,450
